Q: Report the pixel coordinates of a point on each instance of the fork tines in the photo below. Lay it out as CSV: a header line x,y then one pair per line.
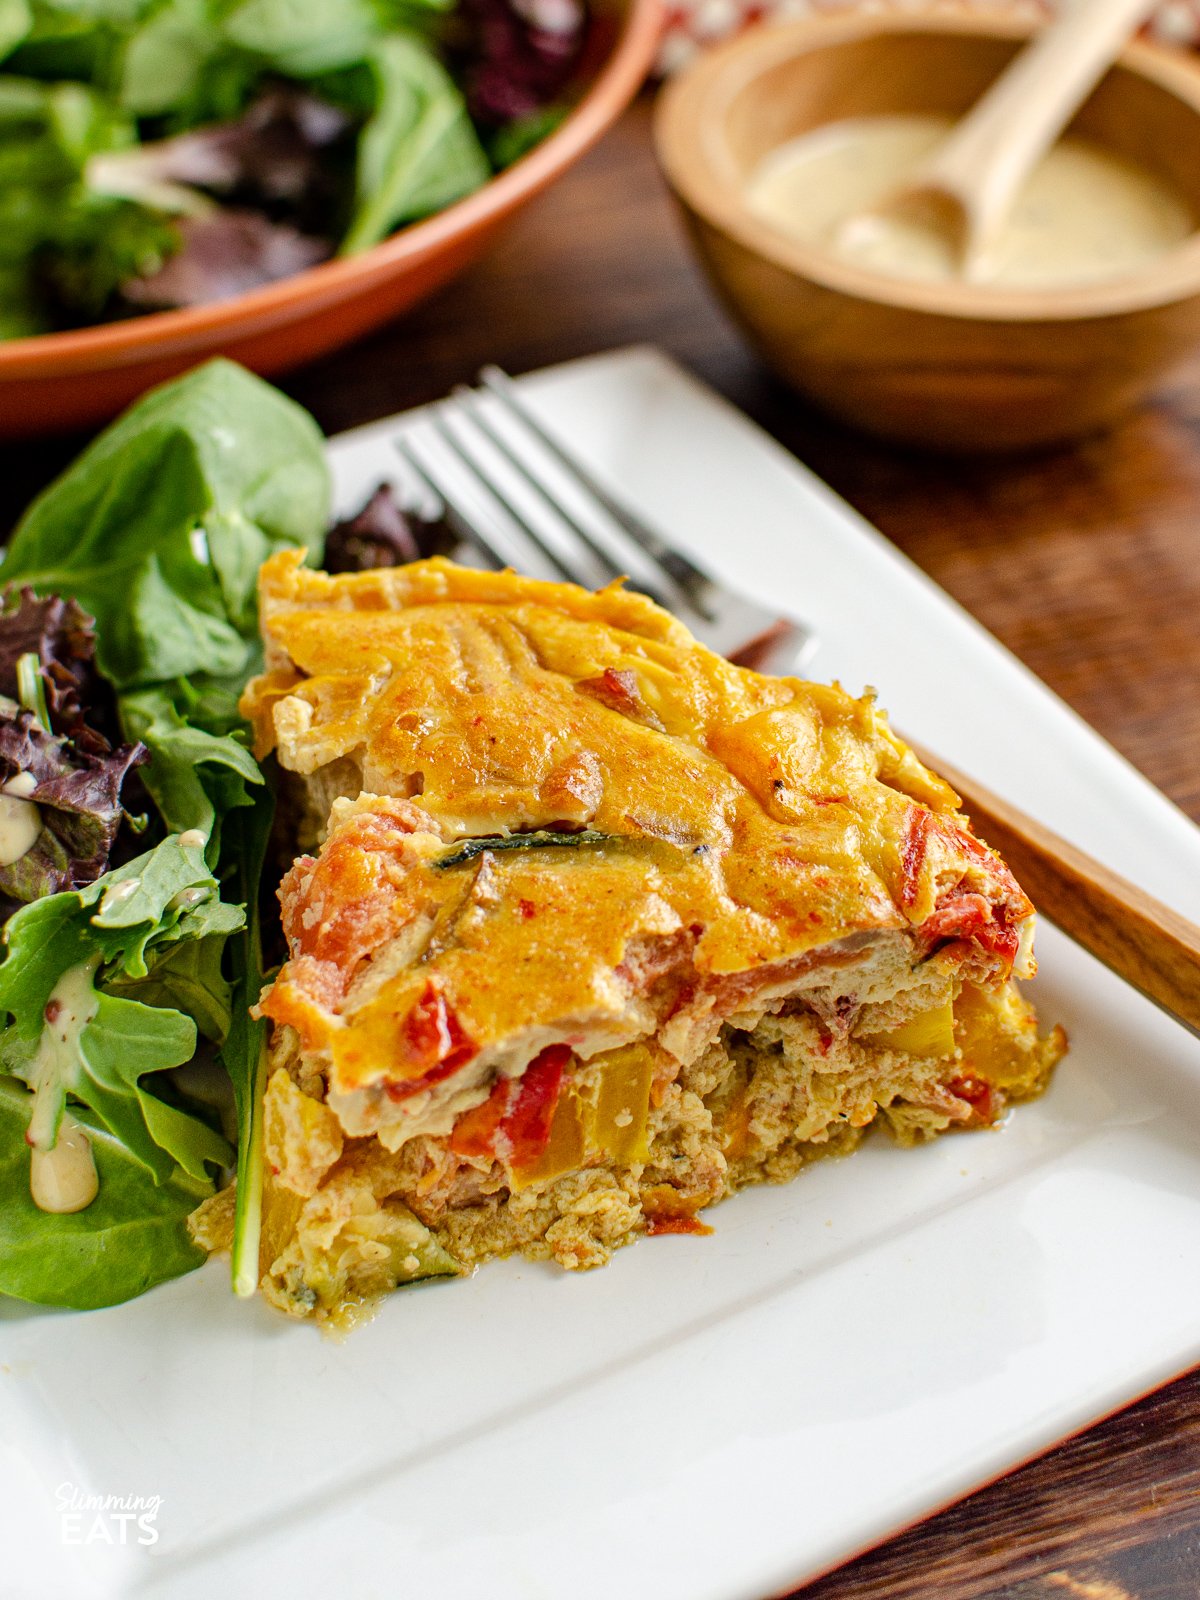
x,y
518,496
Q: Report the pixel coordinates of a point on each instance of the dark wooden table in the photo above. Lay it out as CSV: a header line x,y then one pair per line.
x,y
1085,562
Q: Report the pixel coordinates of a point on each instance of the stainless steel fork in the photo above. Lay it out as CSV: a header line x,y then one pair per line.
x,y
517,496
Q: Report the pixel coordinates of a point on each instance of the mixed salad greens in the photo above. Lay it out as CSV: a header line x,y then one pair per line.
x,y
134,824
158,153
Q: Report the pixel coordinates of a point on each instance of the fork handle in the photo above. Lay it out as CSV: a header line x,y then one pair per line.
x,y
1143,941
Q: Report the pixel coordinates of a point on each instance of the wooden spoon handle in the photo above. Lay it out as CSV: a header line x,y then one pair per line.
x,y
985,159
1146,943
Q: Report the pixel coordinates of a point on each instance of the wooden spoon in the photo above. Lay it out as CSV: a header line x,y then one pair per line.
x,y
966,187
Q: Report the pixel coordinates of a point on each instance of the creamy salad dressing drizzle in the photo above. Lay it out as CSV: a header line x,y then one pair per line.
x,y
118,892
1084,214
20,824
62,1174
64,1179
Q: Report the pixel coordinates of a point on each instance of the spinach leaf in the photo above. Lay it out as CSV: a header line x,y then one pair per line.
x,y
132,1236
419,151
160,527
300,38
164,59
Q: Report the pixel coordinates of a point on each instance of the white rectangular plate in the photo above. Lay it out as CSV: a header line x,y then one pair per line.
x,y
706,1419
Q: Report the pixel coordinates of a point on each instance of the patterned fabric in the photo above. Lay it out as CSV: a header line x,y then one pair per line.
x,y
694,23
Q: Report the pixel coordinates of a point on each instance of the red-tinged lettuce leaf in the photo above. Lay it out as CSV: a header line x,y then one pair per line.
x,y
288,149
62,636
224,253
78,796
383,534
523,56
275,149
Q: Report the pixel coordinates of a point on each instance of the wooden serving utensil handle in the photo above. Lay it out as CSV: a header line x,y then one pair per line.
x,y
1143,941
985,159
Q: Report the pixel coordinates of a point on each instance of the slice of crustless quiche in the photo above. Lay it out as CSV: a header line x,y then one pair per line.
x,y
596,929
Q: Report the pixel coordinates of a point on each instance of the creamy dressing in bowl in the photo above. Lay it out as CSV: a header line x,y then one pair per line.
x,y
1084,214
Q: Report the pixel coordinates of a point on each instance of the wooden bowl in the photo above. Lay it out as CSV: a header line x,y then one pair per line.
x,y
950,365
59,381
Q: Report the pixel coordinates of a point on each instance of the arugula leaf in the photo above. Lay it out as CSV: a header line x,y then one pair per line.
x,y
160,527
419,151
109,1043
194,776
124,1043
131,1237
186,975
124,917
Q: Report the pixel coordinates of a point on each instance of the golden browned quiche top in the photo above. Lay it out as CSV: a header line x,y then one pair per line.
x,y
641,797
